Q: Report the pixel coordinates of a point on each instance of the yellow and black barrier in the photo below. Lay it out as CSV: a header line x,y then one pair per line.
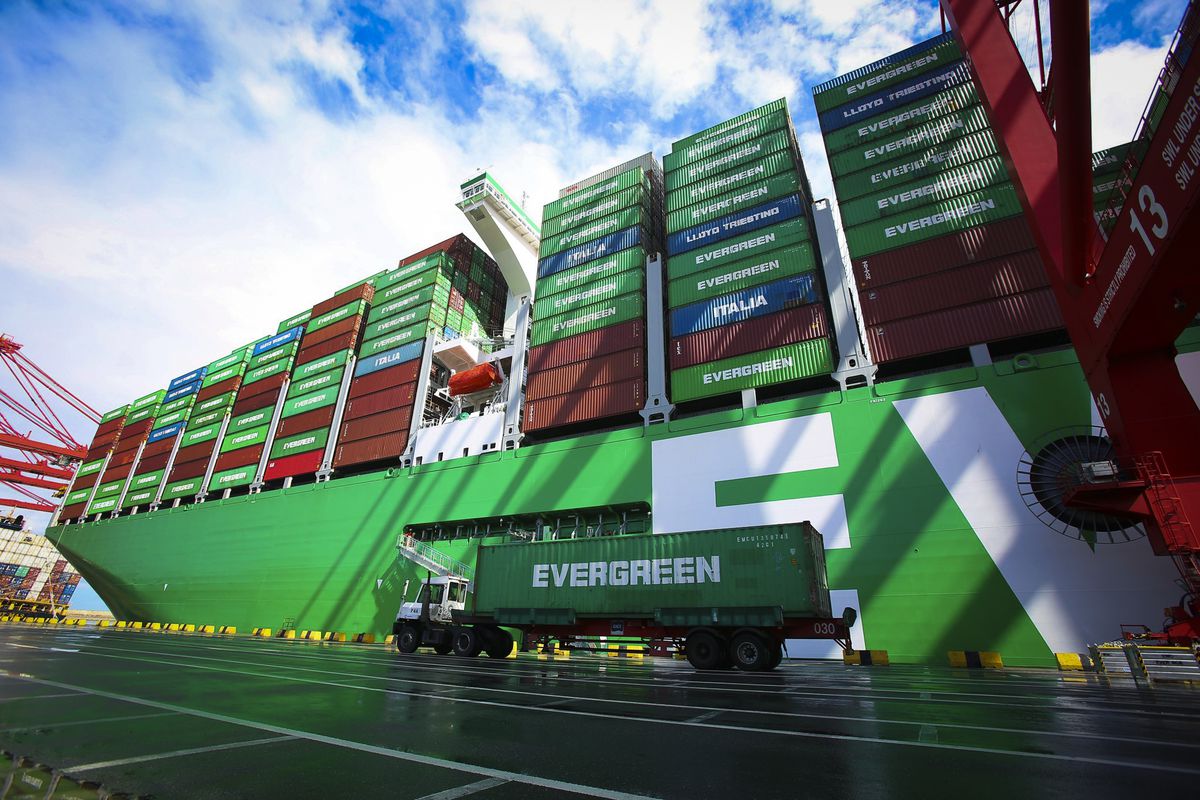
x,y
866,658
364,638
227,630
626,651
390,639
975,659
1075,662
262,633
312,636
335,636
206,629
289,633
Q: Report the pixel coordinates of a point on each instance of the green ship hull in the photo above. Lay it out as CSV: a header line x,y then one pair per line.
x,y
912,483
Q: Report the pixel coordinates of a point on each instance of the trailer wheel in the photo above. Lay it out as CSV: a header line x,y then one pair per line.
x,y
751,652
466,642
501,644
409,639
776,655
705,650
443,647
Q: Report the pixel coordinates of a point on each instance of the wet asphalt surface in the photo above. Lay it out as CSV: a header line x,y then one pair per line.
x,y
174,715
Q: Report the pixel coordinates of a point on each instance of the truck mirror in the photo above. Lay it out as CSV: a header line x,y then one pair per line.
x,y
849,616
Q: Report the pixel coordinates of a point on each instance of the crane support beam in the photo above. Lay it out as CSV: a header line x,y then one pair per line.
x,y
37,469
42,448
27,505
7,476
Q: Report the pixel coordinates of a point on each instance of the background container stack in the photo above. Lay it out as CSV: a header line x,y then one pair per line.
x,y
1107,189
330,339
942,256
210,405
138,424
747,301
108,434
30,566
587,357
150,471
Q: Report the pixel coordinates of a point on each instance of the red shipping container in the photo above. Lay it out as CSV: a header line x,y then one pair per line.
x,y
196,451
364,291
117,472
454,246
381,424
334,345
627,365
291,466
159,447
589,404
457,301
227,385
188,469
112,426
760,333
473,292
73,511
239,458
74,579
86,482
388,447
129,447
973,283
263,387
583,346
151,463
100,450
308,421
350,325
137,429
385,400
981,243
245,405
119,460
994,320
385,379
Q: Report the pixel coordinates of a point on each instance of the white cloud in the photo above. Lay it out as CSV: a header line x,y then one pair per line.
x,y
1122,79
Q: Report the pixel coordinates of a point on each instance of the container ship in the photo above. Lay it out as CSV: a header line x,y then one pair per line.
x,y
675,344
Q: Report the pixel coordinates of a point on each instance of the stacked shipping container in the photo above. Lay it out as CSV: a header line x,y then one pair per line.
x,y
1108,187
138,424
108,434
942,256
150,470
31,567
747,302
587,359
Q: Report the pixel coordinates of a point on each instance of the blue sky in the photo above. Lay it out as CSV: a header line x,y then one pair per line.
x,y
175,177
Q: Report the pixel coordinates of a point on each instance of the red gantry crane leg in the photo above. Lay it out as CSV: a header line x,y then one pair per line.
x,y
1125,300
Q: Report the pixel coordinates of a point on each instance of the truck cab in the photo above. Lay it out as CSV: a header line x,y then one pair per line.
x,y
445,595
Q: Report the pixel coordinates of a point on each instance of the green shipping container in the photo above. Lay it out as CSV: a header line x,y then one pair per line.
x,y
294,320
729,160
909,141
739,275
933,220
251,419
300,443
413,285
776,365
325,364
149,479
750,245
246,438
206,419
592,194
309,402
928,162
267,370
333,379
145,412
897,120
634,215
633,196
589,318
184,488
731,180
435,294
232,478
152,399
357,308
729,139
393,340
89,468
77,496
163,420
103,505
632,280
588,272
770,109
218,403
110,488
974,177
239,356
120,411
674,578
182,404
755,193
863,82
391,277
281,353
201,434
140,497
434,312
224,374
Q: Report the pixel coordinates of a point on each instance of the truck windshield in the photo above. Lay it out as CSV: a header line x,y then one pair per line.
x,y
435,593
457,592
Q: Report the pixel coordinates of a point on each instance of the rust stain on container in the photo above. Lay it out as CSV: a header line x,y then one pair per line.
x,y
364,291
761,333
375,425
239,458
620,367
981,243
390,447
385,400
308,421
1004,318
385,379
596,403
574,349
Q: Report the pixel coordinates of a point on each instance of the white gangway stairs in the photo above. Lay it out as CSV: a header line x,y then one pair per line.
x,y
425,555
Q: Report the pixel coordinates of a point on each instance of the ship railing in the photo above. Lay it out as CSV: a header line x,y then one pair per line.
x,y
426,555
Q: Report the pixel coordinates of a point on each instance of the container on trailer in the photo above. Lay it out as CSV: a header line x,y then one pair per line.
x,y
620,367
310,420
396,420
752,370
612,339
388,447
727,341
293,465
585,404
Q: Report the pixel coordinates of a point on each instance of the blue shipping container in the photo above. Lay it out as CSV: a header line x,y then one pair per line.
x,y
751,219
183,391
389,358
194,375
758,301
918,88
290,335
599,248
164,433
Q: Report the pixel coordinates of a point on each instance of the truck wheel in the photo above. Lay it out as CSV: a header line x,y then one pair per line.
x,y
466,643
409,639
443,647
705,650
776,655
501,644
751,652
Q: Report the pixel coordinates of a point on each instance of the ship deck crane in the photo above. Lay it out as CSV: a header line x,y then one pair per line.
x,y
49,461
1126,294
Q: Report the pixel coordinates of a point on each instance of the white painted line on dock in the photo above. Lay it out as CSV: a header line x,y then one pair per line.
x,y
708,716
191,751
99,721
466,791
38,697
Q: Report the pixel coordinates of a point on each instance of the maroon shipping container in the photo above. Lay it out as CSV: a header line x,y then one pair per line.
x,y
227,385
263,387
188,469
994,320
388,447
627,365
455,246
245,405
386,400
119,460
457,301
196,451
473,292
337,330
981,243
116,473
774,330
364,291
583,346
161,446
597,403
973,283
385,379
137,429
239,458
152,463
291,466
396,421
73,511
112,426
86,482
100,450
129,444
308,421
334,345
